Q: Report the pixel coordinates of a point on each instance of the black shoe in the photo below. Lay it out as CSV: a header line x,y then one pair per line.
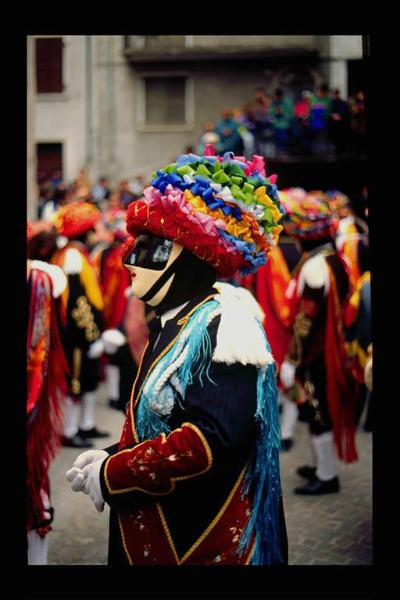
x,y
307,472
93,433
316,487
76,441
286,444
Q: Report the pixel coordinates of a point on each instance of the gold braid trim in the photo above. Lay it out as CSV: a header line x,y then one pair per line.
x,y
172,479
84,319
76,362
123,540
215,520
182,323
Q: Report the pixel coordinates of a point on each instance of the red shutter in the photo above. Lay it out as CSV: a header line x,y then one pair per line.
x,y
49,65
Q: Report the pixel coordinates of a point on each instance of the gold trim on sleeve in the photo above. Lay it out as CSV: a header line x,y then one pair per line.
x,y
172,479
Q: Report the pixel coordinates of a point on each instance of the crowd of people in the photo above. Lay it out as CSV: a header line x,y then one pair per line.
x,y
320,123
100,304
54,192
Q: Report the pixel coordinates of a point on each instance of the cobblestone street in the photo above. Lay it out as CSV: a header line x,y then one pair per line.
x,y
335,529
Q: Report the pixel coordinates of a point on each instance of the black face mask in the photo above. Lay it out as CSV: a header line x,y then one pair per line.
x,y
150,252
192,276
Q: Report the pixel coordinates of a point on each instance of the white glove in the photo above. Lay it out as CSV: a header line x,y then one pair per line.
x,y
75,475
112,339
287,373
89,457
92,484
96,349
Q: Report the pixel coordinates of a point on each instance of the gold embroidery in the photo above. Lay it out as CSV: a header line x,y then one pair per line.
x,y
215,520
84,319
76,360
172,479
302,325
309,390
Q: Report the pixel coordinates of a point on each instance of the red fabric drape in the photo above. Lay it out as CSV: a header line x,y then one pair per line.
x,y
114,282
341,387
272,280
47,368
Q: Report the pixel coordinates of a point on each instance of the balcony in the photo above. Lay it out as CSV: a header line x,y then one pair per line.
x,y
172,48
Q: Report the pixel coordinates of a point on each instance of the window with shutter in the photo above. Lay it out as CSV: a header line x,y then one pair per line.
x,y
165,100
49,161
49,78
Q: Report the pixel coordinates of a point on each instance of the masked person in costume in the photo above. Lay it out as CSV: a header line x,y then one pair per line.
x,y
82,320
351,236
121,368
203,420
269,286
316,356
46,386
352,244
272,281
358,319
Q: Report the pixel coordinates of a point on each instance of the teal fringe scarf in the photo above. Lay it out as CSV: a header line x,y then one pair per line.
x,y
262,478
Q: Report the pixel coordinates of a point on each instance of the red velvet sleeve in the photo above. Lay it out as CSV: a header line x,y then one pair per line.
x,y
154,465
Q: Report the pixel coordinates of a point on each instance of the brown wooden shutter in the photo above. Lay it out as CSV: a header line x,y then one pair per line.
x,y
49,65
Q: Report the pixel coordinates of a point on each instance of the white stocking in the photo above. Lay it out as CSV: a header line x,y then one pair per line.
x,y
87,416
288,416
313,460
325,453
112,381
37,549
71,417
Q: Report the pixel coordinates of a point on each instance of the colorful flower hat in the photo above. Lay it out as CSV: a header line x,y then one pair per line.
x,y
223,209
76,218
308,215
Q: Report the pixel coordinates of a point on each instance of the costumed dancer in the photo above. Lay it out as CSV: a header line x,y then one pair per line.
x,y
358,320
46,387
351,237
272,281
317,355
203,418
121,367
352,244
82,319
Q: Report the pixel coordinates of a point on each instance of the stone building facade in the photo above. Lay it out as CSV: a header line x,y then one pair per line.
x,y
130,103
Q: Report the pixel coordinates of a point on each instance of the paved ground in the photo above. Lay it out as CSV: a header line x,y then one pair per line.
x,y
335,529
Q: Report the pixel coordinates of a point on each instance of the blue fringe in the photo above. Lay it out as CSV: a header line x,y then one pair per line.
x,y
148,423
262,479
